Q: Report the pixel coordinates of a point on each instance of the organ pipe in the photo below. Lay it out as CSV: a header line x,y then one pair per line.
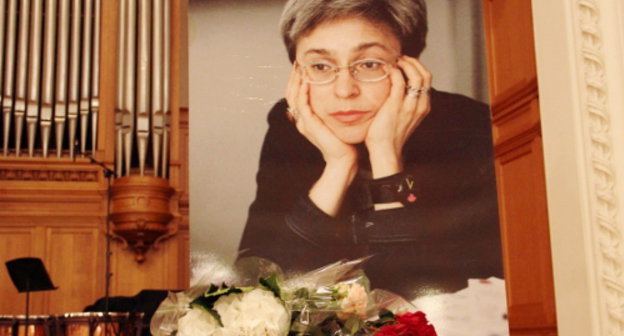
x,y
121,86
62,73
85,75
128,110
166,83
34,69
47,98
50,89
95,78
22,64
74,71
9,60
143,83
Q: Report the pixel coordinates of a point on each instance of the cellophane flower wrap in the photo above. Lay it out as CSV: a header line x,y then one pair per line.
x,y
256,299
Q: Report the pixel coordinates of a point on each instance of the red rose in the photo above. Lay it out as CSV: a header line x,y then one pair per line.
x,y
416,318
391,330
408,324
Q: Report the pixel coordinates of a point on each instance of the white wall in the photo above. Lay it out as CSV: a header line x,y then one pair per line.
x,y
238,69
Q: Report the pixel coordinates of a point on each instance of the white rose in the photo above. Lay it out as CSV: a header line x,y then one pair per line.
x,y
197,322
255,313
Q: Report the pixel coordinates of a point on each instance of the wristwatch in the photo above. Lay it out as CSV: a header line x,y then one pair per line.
x,y
394,188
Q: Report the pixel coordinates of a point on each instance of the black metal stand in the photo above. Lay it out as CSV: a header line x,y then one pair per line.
x,y
28,275
109,174
26,322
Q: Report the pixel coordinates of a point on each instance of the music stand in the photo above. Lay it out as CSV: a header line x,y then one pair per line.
x,y
29,275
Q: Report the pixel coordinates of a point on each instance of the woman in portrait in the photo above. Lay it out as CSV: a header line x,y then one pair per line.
x,y
364,157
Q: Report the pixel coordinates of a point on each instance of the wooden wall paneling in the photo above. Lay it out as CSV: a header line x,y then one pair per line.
x,y
108,76
60,248
48,173
39,198
183,154
183,204
514,114
156,272
45,202
184,258
519,165
179,160
15,242
509,39
73,258
173,263
178,18
523,212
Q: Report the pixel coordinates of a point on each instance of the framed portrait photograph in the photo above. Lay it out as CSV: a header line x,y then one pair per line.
x,y
331,130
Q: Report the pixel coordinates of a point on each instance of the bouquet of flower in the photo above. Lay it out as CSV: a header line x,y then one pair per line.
x,y
331,301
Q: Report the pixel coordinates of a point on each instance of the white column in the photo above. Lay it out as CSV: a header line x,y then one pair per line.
x,y
579,48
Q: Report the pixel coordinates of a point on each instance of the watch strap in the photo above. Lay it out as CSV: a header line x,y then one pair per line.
x,y
399,187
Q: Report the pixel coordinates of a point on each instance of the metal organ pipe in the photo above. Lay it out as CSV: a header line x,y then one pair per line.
x,y
62,73
47,90
142,118
50,89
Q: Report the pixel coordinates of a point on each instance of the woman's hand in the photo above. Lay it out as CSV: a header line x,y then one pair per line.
x,y
340,158
399,116
312,127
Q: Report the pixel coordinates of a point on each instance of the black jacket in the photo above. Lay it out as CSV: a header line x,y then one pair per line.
x,y
450,234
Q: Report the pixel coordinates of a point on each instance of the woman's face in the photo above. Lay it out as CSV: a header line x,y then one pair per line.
x,y
347,106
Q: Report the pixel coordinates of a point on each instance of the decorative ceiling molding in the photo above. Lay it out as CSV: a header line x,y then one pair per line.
x,y
602,173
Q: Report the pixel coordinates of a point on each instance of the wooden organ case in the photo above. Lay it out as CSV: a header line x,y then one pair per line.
x,y
99,79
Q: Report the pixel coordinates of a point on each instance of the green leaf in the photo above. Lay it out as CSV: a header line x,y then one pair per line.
x,y
206,302
352,325
301,293
217,317
213,294
271,284
385,316
385,313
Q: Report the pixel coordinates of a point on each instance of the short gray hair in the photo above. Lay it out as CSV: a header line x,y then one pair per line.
x,y
406,18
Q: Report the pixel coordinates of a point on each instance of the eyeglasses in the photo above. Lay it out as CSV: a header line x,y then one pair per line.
x,y
366,70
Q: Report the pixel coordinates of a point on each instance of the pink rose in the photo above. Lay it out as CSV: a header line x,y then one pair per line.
x,y
356,301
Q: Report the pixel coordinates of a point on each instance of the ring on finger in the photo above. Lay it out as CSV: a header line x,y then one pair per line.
x,y
293,113
415,92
